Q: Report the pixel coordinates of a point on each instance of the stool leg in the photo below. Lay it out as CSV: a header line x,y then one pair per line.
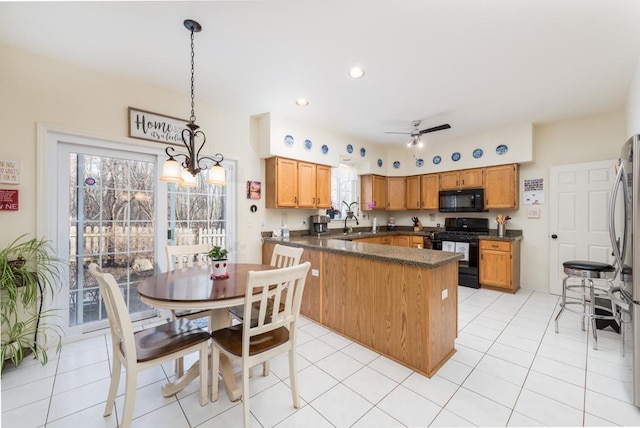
x,y
563,301
592,312
584,303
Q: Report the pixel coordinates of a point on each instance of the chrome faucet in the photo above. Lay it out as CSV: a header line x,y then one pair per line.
x,y
350,214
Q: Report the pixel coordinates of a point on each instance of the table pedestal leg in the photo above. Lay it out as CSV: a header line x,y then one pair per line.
x,y
220,318
178,385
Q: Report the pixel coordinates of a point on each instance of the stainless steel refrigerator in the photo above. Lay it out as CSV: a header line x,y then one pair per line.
x,y
624,224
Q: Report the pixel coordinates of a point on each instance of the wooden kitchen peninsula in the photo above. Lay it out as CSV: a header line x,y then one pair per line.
x,y
400,302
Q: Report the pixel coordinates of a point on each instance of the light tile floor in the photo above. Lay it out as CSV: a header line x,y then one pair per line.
x,y
510,369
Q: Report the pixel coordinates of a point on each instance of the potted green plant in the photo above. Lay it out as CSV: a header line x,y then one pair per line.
x,y
29,277
218,255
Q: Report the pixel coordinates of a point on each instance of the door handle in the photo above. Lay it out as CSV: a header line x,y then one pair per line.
x,y
554,236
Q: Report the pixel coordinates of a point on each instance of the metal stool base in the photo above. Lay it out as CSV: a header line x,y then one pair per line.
x,y
587,289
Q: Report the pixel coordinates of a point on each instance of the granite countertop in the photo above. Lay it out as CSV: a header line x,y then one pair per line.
x,y
341,244
510,235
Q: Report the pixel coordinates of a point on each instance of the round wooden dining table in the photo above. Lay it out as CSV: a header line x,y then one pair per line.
x,y
194,289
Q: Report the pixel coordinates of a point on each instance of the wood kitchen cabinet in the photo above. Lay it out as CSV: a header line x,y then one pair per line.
x,y
463,179
429,187
373,189
323,186
500,265
413,192
417,241
501,187
422,192
296,184
401,241
396,193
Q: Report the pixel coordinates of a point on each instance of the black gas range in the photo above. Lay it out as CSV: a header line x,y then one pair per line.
x,y
461,235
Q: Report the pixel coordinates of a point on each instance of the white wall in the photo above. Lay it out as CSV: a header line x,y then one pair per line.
x,y
633,104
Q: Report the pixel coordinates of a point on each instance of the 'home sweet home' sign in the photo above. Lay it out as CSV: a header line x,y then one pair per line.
x,y
146,125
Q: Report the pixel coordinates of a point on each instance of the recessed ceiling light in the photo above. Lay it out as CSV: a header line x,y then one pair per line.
x,y
302,102
356,73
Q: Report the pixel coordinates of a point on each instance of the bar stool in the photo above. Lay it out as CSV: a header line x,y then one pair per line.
x,y
588,272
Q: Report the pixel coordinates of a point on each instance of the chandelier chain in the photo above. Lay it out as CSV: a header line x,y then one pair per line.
x,y
192,119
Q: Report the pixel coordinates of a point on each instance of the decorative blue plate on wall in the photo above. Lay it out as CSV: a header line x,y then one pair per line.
x,y
436,159
501,149
396,164
363,152
477,153
288,140
380,162
349,148
419,163
307,144
455,157
325,149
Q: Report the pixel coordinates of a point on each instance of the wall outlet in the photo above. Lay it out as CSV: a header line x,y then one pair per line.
x,y
445,293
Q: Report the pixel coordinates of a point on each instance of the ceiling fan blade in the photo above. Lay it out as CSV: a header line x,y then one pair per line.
x,y
390,132
435,128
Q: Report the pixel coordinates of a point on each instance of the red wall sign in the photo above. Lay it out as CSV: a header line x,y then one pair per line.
x,y
8,200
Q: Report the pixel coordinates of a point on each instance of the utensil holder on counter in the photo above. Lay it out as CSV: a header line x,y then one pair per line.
x,y
501,229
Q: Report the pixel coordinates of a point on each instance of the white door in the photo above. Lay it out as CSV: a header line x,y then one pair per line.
x,y
98,202
578,224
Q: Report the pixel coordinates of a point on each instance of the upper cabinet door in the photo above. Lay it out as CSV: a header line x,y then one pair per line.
x,y
501,187
413,192
429,187
323,186
396,193
450,180
287,171
373,191
306,185
472,178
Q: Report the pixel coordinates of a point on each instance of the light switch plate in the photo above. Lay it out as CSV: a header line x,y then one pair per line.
x,y
445,293
315,272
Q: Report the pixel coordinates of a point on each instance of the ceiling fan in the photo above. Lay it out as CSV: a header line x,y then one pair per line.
x,y
416,133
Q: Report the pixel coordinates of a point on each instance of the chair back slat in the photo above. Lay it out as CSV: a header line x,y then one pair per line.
x,y
181,256
117,312
287,283
285,256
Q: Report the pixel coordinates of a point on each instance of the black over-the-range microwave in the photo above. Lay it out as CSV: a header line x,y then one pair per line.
x,y
461,201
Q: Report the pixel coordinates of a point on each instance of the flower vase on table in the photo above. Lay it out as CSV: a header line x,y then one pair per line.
x,y
219,269
219,263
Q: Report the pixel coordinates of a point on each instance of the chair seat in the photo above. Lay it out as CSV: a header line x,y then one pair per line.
x,y
588,269
163,340
588,266
238,311
230,339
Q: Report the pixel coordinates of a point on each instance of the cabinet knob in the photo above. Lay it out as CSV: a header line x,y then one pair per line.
x,y
554,236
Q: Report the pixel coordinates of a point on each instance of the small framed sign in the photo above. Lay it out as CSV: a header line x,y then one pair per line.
x,y
146,125
8,200
10,171
254,189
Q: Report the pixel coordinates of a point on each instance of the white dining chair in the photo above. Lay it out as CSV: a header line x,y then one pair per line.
x,y
145,348
274,333
180,257
282,256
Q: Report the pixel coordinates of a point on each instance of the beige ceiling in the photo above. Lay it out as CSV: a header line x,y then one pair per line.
x,y
476,64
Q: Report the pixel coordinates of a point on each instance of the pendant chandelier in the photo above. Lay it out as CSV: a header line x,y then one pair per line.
x,y
185,174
